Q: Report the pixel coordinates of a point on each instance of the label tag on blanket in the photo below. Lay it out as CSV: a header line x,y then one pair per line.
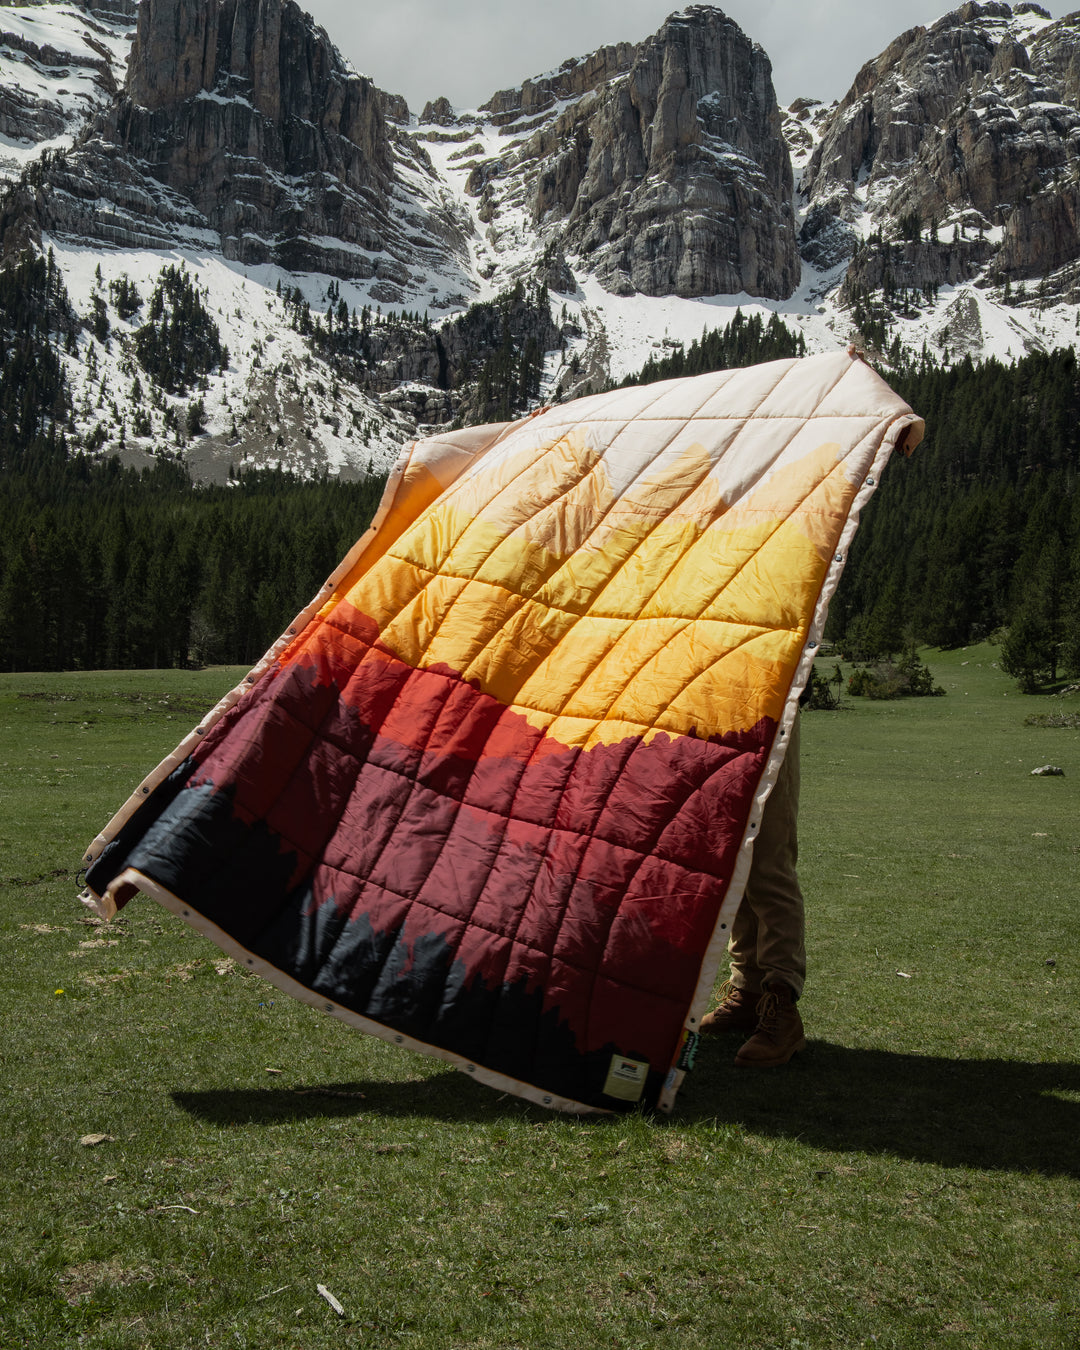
x,y
688,1051
626,1078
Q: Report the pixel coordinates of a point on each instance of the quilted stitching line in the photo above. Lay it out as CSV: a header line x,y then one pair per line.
x,y
462,576
478,892
674,618
595,976
720,881
684,422
689,623
511,484
632,744
797,427
734,575
411,779
596,973
573,880
571,888
570,965
643,727
316,733
441,569
523,599
470,579
641,854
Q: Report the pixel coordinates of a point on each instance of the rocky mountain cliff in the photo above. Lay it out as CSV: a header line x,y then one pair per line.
x,y
337,241
239,126
961,141
662,166
56,69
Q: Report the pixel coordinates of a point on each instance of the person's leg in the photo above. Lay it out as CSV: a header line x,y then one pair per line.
x,y
767,945
773,895
741,993
743,947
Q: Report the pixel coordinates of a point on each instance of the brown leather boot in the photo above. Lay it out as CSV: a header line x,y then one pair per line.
x,y
779,1033
736,1011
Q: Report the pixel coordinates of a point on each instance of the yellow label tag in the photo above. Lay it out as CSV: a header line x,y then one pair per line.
x,y
626,1078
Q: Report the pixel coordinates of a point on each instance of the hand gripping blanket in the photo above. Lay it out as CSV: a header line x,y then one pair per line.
x,y
493,795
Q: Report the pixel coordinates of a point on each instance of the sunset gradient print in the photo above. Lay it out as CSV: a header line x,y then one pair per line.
x,y
494,795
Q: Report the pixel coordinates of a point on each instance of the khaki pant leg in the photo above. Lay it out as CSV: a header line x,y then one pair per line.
x,y
768,937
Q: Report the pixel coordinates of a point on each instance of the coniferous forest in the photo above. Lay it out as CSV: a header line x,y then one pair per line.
x,y
976,536
103,567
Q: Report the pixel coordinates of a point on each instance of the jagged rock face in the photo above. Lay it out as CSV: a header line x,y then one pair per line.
x,y
240,125
915,265
228,101
110,10
667,174
973,120
573,79
1045,227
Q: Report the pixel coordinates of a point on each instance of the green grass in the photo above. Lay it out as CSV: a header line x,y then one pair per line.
x,y
913,1179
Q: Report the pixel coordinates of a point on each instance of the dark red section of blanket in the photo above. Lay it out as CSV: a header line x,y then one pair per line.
x,y
407,846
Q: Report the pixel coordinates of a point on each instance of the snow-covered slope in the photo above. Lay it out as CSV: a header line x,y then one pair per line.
x,y
276,404
59,64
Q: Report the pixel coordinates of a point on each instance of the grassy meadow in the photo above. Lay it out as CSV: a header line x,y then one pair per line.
x,y
189,1155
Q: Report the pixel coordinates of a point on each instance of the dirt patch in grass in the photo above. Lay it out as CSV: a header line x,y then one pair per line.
x,y
78,1282
151,702
1069,720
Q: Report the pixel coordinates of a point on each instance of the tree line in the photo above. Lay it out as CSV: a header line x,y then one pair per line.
x,y
745,341
103,567
976,536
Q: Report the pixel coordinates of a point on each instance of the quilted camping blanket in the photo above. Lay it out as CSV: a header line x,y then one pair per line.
x,y
493,795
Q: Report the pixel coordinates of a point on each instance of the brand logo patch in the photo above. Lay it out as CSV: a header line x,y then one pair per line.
x,y
626,1078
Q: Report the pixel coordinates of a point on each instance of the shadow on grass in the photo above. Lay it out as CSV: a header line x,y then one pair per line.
x,y
446,1096
989,1114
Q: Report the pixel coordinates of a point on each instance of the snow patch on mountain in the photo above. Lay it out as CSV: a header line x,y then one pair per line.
x,y
275,405
58,65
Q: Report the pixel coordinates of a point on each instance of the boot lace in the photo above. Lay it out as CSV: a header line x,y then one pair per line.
x,y
770,1010
727,993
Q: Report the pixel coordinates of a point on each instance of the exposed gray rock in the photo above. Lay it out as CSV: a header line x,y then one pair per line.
x,y
1042,234
667,174
914,265
555,272
977,114
110,10
825,240
439,113
394,107
42,107
239,123
574,78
